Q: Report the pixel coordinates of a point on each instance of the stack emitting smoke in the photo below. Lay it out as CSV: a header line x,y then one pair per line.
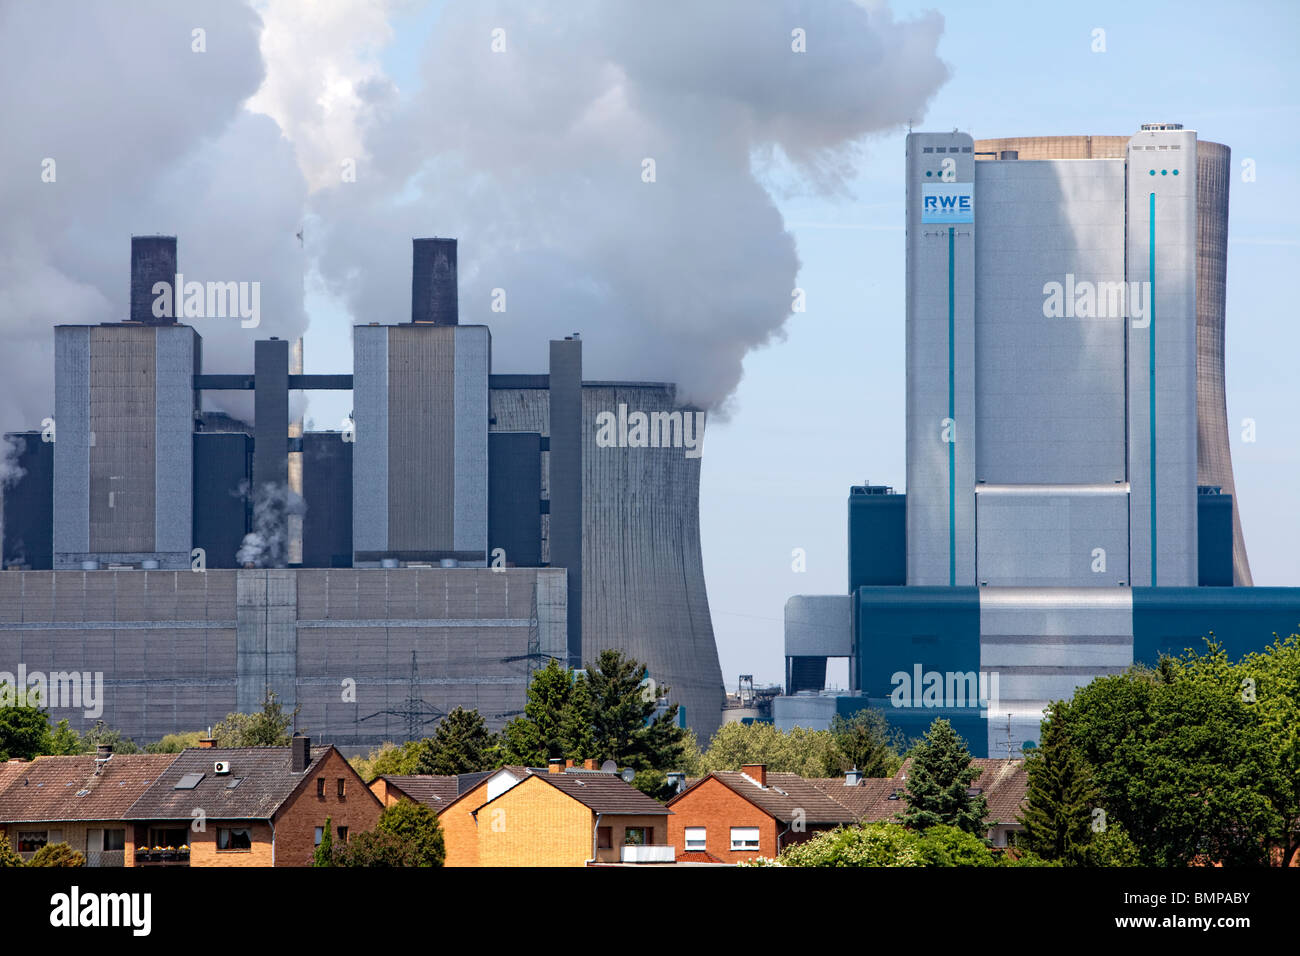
x,y
267,545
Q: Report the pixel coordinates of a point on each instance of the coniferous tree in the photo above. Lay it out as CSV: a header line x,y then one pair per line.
x,y
324,855
938,784
624,728
461,744
1060,797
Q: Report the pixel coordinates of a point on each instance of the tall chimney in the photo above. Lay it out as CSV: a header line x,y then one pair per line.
x,y
153,259
301,753
433,282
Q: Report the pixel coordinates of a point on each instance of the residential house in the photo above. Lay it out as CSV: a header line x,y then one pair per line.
x,y
78,800
1001,782
571,817
732,816
251,806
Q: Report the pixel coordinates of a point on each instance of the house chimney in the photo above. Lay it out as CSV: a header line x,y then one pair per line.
x,y
756,771
590,764
300,747
852,777
103,754
153,260
676,781
568,764
433,282
206,743
556,765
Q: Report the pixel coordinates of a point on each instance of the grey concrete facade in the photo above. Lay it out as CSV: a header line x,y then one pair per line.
x,y
123,465
179,650
941,412
1042,644
643,586
1162,356
370,447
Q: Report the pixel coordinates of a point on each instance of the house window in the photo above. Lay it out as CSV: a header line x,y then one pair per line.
x,y
29,841
604,838
343,834
167,836
114,840
695,838
320,835
320,786
744,838
234,838
342,792
635,836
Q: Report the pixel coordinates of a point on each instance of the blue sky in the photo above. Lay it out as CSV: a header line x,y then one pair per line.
x,y
823,408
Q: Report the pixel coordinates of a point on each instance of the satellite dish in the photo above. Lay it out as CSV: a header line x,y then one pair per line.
x,y
628,775
609,767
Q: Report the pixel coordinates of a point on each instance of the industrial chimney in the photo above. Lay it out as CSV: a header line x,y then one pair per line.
x,y
433,282
153,259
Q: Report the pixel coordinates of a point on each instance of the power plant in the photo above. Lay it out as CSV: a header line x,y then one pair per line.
x,y
461,530
1069,508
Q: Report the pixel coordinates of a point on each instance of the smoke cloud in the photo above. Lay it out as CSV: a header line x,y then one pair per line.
x,y
146,136
535,156
267,545
608,167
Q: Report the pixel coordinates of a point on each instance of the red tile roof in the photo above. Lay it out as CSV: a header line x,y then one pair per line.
x,y
67,788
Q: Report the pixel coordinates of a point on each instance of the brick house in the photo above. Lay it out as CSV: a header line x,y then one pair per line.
x,y
78,800
568,817
459,826
731,816
259,806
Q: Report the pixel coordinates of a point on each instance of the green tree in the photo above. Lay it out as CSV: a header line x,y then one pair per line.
x,y
1269,684
390,759
938,783
871,844
101,733
373,848
623,726
461,744
417,827
8,855
1060,797
64,741
1111,847
535,737
809,753
1183,761
57,854
406,835
868,742
24,725
174,743
269,727
577,723
324,854
949,846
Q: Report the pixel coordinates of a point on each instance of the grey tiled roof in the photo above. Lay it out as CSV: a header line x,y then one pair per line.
x,y
265,782
433,790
